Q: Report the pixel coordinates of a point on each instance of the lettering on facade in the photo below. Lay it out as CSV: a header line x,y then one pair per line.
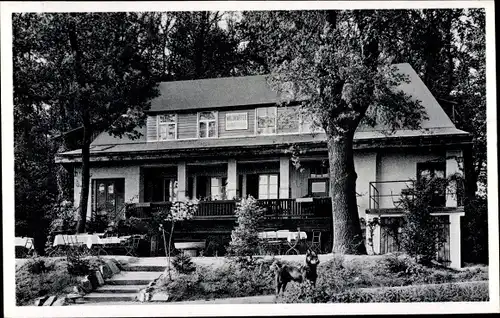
x,y
236,121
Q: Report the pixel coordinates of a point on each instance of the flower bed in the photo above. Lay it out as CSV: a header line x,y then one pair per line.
x,y
336,276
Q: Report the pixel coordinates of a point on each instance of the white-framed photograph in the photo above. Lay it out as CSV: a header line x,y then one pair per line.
x,y
274,158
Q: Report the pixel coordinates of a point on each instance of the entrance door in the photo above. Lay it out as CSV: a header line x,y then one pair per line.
x,y
108,196
253,185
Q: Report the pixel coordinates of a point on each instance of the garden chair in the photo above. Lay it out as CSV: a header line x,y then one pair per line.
x,y
315,241
131,245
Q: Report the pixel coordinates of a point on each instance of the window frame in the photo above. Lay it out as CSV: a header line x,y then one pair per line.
x,y
107,181
216,120
158,125
268,186
275,121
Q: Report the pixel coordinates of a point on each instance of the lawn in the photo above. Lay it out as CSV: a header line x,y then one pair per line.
x,y
341,278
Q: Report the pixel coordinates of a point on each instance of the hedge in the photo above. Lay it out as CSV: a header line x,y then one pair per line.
x,y
453,292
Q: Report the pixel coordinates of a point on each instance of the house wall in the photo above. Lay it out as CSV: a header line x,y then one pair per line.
x,y
239,132
131,174
187,123
394,166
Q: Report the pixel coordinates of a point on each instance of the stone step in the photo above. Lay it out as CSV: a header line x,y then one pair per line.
x,y
105,297
120,289
133,278
144,268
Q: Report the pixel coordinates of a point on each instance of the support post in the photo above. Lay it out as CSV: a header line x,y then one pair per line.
x,y
232,179
284,191
181,180
455,241
452,167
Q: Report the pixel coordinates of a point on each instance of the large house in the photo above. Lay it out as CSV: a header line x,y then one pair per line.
x,y
222,139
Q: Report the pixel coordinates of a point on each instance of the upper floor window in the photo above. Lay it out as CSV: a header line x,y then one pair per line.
x,y
167,127
207,124
266,120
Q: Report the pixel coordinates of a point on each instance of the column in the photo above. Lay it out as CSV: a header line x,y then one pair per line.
x,y
455,243
284,190
452,167
181,180
244,187
232,179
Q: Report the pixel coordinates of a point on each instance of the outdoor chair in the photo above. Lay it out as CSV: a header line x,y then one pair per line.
x,y
131,245
315,241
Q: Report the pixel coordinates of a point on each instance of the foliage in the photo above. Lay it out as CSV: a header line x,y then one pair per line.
x,y
475,231
336,61
54,280
371,225
339,278
230,280
244,238
422,235
183,263
456,292
216,245
179,211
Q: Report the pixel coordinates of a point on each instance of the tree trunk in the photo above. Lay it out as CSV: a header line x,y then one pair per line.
x,y
347,237
84,195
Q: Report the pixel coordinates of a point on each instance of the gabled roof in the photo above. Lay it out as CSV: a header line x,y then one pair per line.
x,y
253,90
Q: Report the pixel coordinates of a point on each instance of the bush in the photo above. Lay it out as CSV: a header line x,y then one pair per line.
x,y
244,238
33,282
470,291
230,280
216,245
421,234
183,263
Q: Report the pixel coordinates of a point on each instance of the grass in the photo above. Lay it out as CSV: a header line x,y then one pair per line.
x,y
337,275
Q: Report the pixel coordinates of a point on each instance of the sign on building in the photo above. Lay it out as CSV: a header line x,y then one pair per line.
x,y
236,121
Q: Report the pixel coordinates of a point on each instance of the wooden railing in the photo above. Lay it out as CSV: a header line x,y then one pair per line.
x,y
275,208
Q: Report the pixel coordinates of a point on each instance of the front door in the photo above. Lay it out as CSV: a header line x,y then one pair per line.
x,y
253,185
108,196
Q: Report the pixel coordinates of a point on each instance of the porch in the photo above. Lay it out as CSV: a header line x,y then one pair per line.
x,y
218,216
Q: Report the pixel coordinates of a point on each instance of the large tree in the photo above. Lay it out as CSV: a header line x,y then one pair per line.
x,y
339,60
94,72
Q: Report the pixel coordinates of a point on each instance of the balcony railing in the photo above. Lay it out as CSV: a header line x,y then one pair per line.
x,y
274,208
388,195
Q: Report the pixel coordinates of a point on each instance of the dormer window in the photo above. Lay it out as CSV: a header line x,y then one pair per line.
x,y
207,124
167,127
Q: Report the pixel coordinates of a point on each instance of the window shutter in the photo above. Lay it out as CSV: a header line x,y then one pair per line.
x,y
151,128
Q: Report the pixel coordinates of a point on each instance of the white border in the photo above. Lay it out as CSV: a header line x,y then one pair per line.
x,y
239,310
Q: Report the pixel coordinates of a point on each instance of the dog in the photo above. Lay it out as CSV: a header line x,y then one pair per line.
x,y
284,273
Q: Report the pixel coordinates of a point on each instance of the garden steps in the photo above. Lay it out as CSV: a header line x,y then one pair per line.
x,y
124,286
119,289
144,268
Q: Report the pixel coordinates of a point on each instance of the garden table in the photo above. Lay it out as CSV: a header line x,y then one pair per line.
x,y
26,242
293,239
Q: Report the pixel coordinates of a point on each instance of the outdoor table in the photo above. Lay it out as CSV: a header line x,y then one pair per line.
x,y
70,239
26,242
293,239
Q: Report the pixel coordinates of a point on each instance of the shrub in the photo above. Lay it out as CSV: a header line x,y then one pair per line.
x,y
244,238
78,266
471,291
421,234
216,245
54,279
232,279
183,263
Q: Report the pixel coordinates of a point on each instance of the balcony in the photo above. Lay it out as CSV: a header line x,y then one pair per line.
x,y
385,197
224,209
